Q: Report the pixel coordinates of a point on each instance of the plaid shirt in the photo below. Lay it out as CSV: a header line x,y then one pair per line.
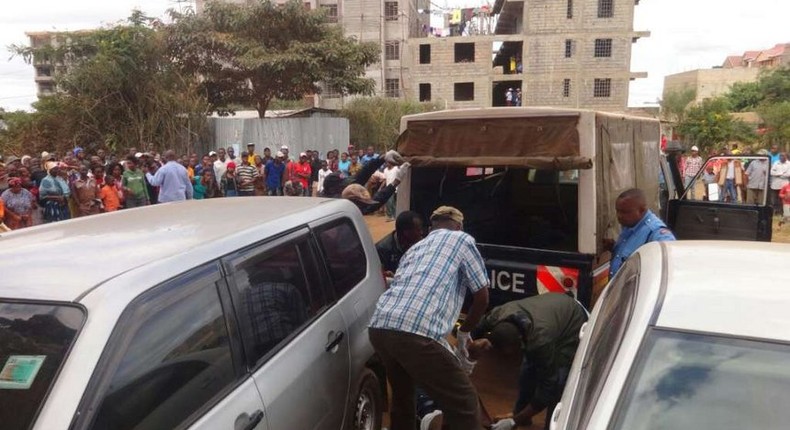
x,y
276,310
430,285
693,165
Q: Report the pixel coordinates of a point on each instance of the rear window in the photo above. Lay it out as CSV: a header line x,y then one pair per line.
x,y
34,341
697,381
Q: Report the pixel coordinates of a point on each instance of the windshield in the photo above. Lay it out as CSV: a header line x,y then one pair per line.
x,y
34,340
693,381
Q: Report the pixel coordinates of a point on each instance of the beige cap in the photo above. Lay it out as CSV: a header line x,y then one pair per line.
x,y
448,212
358,193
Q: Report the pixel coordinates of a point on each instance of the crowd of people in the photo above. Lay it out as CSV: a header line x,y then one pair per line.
x,y
740,181
50,188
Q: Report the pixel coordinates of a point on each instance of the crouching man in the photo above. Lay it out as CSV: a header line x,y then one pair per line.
x,y
546,329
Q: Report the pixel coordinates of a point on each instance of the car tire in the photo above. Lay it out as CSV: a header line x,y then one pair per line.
x,y
367,404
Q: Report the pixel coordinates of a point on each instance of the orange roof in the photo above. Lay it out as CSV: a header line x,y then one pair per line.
x,y
733,61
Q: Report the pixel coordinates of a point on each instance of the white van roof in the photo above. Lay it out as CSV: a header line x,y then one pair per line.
x,y
63,260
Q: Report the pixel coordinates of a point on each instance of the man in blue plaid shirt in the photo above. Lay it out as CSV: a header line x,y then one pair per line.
x,y
414,316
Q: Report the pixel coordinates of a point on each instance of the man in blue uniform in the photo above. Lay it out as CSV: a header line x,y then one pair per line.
x,y
640,226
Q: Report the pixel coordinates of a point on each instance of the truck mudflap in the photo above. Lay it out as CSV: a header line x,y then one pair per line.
x,y
516,273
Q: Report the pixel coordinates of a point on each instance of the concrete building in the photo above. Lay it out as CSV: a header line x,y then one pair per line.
x,y
710,83
571,53
45,71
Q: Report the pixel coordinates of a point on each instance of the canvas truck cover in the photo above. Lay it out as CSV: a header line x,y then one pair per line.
x,y
509,137
628,156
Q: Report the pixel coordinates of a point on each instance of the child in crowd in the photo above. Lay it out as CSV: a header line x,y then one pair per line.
x,y
322,174
109,194
784,195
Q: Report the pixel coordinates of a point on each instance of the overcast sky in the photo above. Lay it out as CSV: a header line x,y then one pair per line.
x,y
686,34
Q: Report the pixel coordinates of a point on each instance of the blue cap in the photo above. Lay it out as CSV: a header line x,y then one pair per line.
x,y
76,150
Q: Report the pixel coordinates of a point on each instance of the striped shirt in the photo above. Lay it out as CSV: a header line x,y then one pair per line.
x,y
430,285
246,173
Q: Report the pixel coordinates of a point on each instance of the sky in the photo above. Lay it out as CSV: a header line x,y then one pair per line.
x,y
686,35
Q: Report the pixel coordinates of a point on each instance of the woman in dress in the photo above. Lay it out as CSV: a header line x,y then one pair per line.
x,y
19,205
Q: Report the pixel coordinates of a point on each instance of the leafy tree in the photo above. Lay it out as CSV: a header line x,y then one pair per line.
x,y
775,85
120,90
776,117
710,125
675,103
376,121
250,54
745,96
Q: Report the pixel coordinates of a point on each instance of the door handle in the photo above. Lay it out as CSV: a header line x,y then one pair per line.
x,y
555,417
716,224
252,420
330,347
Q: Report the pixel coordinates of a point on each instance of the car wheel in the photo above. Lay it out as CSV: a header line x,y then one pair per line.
x,y
369,403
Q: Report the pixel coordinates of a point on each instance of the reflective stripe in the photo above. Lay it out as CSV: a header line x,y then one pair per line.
x,y
552,279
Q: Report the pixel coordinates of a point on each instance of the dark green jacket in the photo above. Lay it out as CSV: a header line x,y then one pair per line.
x,y
549,324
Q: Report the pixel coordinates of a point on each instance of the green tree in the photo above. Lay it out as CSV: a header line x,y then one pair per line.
x,y
121,90
251,54
376,121
710,125
745,96
776,117
675,103
775,85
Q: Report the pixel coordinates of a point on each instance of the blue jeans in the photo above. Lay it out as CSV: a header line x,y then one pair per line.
x,y
231,193
729,189
275,191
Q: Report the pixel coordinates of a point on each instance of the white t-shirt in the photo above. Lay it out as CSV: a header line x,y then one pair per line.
x,y
390,173
731,170
220,167
322,174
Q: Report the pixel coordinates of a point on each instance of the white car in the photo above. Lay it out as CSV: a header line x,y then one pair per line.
x,y
238,313
688,335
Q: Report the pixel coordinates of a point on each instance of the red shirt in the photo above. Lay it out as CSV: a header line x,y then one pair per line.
x,y
301,171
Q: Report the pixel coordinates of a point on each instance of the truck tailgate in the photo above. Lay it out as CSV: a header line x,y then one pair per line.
x,y
515,273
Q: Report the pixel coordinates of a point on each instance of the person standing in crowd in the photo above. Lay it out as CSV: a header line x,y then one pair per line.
x,y
322,174
86,193
267,155
408,231
109,195
331,161
709,178
774,154
315,167
275,170
509,97
302,172
355,165
784,197
413,317
293,189
54,193
19,205
780,176
172,180
344,165
640,226
545,329
199,188
260,182
352,188
232,156
369,156
251,154
229,184
246,175
390,174
210,184
221,164
133,185
756,180
692,166
286,154
730,179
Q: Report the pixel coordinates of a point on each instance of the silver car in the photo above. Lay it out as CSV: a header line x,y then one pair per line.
x,y
245,313
688,335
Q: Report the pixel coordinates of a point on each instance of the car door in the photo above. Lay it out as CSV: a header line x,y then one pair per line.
x,y
718,206
173,361
294,341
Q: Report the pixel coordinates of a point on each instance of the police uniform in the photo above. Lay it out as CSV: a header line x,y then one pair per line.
x,y
649,229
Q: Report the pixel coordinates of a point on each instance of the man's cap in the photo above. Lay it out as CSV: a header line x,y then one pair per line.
x,y
303,154
356,192
138,155
10,159
448,212
45,155
285,147
250,144
695,148
77,150
763,152
279,154
212,153
231,165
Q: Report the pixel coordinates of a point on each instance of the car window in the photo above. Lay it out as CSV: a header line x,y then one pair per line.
x,y
34,341
698,381
277,295
605,338
344,255
168,357
727,180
